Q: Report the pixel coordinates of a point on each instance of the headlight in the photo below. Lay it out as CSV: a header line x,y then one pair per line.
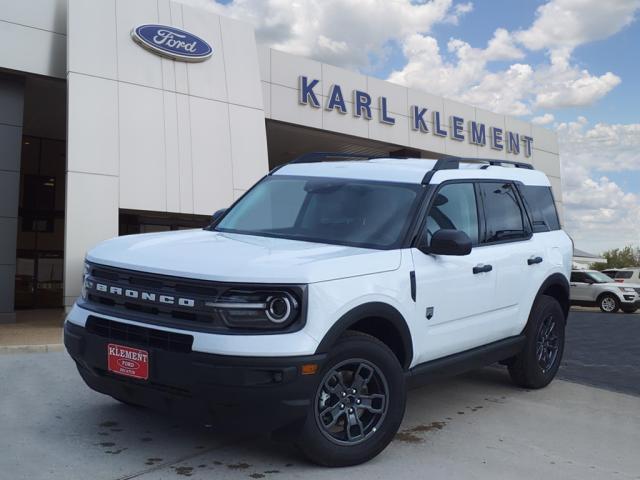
x,y
85,281
256,308
627,289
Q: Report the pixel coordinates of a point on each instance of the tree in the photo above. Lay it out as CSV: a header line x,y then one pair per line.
x,y
619,258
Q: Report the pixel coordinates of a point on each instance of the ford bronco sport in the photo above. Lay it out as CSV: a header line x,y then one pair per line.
x,y
311,304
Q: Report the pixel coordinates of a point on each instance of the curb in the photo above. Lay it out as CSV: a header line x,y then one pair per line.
x,y
47,348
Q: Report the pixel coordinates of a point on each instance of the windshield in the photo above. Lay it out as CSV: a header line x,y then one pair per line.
x,y
358,213
600,277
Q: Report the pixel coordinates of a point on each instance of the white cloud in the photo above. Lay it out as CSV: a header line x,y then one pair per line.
x,y
521,88
346,33
566,86
604,147
545,119
562,24
359,34
467,78
599,213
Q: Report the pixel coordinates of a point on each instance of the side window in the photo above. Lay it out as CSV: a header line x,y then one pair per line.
x,y
541,207
504,218
577,277
454,207
625,275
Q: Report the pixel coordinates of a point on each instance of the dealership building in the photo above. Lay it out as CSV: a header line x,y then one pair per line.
x,y
127,116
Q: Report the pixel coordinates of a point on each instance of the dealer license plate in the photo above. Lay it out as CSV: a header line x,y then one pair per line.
x,y
127,361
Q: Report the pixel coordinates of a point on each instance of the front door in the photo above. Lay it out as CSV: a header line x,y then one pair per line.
x,y
581,287
453,304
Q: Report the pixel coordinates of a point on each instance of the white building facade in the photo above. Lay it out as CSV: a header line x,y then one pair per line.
x,y
100,136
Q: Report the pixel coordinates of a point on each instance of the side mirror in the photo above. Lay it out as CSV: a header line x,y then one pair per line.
x,y
449,242
217,215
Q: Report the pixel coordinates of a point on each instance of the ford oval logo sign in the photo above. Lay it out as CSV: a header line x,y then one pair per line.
x,y
172,43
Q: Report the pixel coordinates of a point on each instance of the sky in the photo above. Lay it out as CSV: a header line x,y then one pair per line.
x,y
572,66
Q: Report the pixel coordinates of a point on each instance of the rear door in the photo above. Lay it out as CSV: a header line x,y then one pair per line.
x,y
508,238
453,304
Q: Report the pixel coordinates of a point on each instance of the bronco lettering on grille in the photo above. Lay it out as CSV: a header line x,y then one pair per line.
x,y
145,296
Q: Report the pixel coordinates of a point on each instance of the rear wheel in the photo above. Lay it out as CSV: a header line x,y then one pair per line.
x,y
608,303
358,405
538,362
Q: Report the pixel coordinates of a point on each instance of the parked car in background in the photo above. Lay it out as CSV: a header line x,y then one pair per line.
x,y
611,272
628,275
591,288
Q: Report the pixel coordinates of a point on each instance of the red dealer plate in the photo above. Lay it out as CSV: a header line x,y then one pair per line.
x,y
127,361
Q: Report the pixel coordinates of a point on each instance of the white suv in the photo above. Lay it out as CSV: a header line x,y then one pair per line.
x,y
590,288
311,304
628,275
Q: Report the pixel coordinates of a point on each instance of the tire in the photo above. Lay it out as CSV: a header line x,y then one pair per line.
x,y
608,303
538,362
629,309
359,433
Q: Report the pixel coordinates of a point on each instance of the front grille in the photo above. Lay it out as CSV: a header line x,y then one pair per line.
x,y
170,301
637,290
188,296
143,336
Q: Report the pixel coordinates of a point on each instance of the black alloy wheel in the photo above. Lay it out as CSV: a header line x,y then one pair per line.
x,y
352,402
547,344
538,362
357,405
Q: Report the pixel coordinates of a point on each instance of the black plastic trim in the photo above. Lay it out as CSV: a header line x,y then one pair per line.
x,y
370,310
556,279
261,393
412,279
464,361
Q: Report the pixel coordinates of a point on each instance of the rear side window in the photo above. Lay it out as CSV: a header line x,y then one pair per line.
x,y
504,218
539,202
624,274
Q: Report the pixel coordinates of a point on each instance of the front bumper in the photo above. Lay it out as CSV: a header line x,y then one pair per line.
x,y
261,393
630,300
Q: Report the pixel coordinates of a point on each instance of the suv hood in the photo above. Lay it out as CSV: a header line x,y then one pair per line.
x,y
230,257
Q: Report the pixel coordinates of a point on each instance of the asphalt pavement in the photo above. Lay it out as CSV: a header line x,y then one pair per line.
x,y
603,350
474,426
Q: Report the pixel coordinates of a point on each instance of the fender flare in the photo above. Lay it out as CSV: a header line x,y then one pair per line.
x,y
370,310
556,280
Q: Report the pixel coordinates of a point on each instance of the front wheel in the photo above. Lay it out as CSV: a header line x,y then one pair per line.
x,y
629,309
358,405
609,303
538,362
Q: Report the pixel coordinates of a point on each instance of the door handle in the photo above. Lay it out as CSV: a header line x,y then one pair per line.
x,y
534,260
482,268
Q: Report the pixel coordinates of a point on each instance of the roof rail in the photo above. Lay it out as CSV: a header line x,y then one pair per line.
x,y
453,163
447,163
316,157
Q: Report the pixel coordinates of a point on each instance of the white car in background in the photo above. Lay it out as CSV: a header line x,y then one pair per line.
x,y
628,275
591,288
